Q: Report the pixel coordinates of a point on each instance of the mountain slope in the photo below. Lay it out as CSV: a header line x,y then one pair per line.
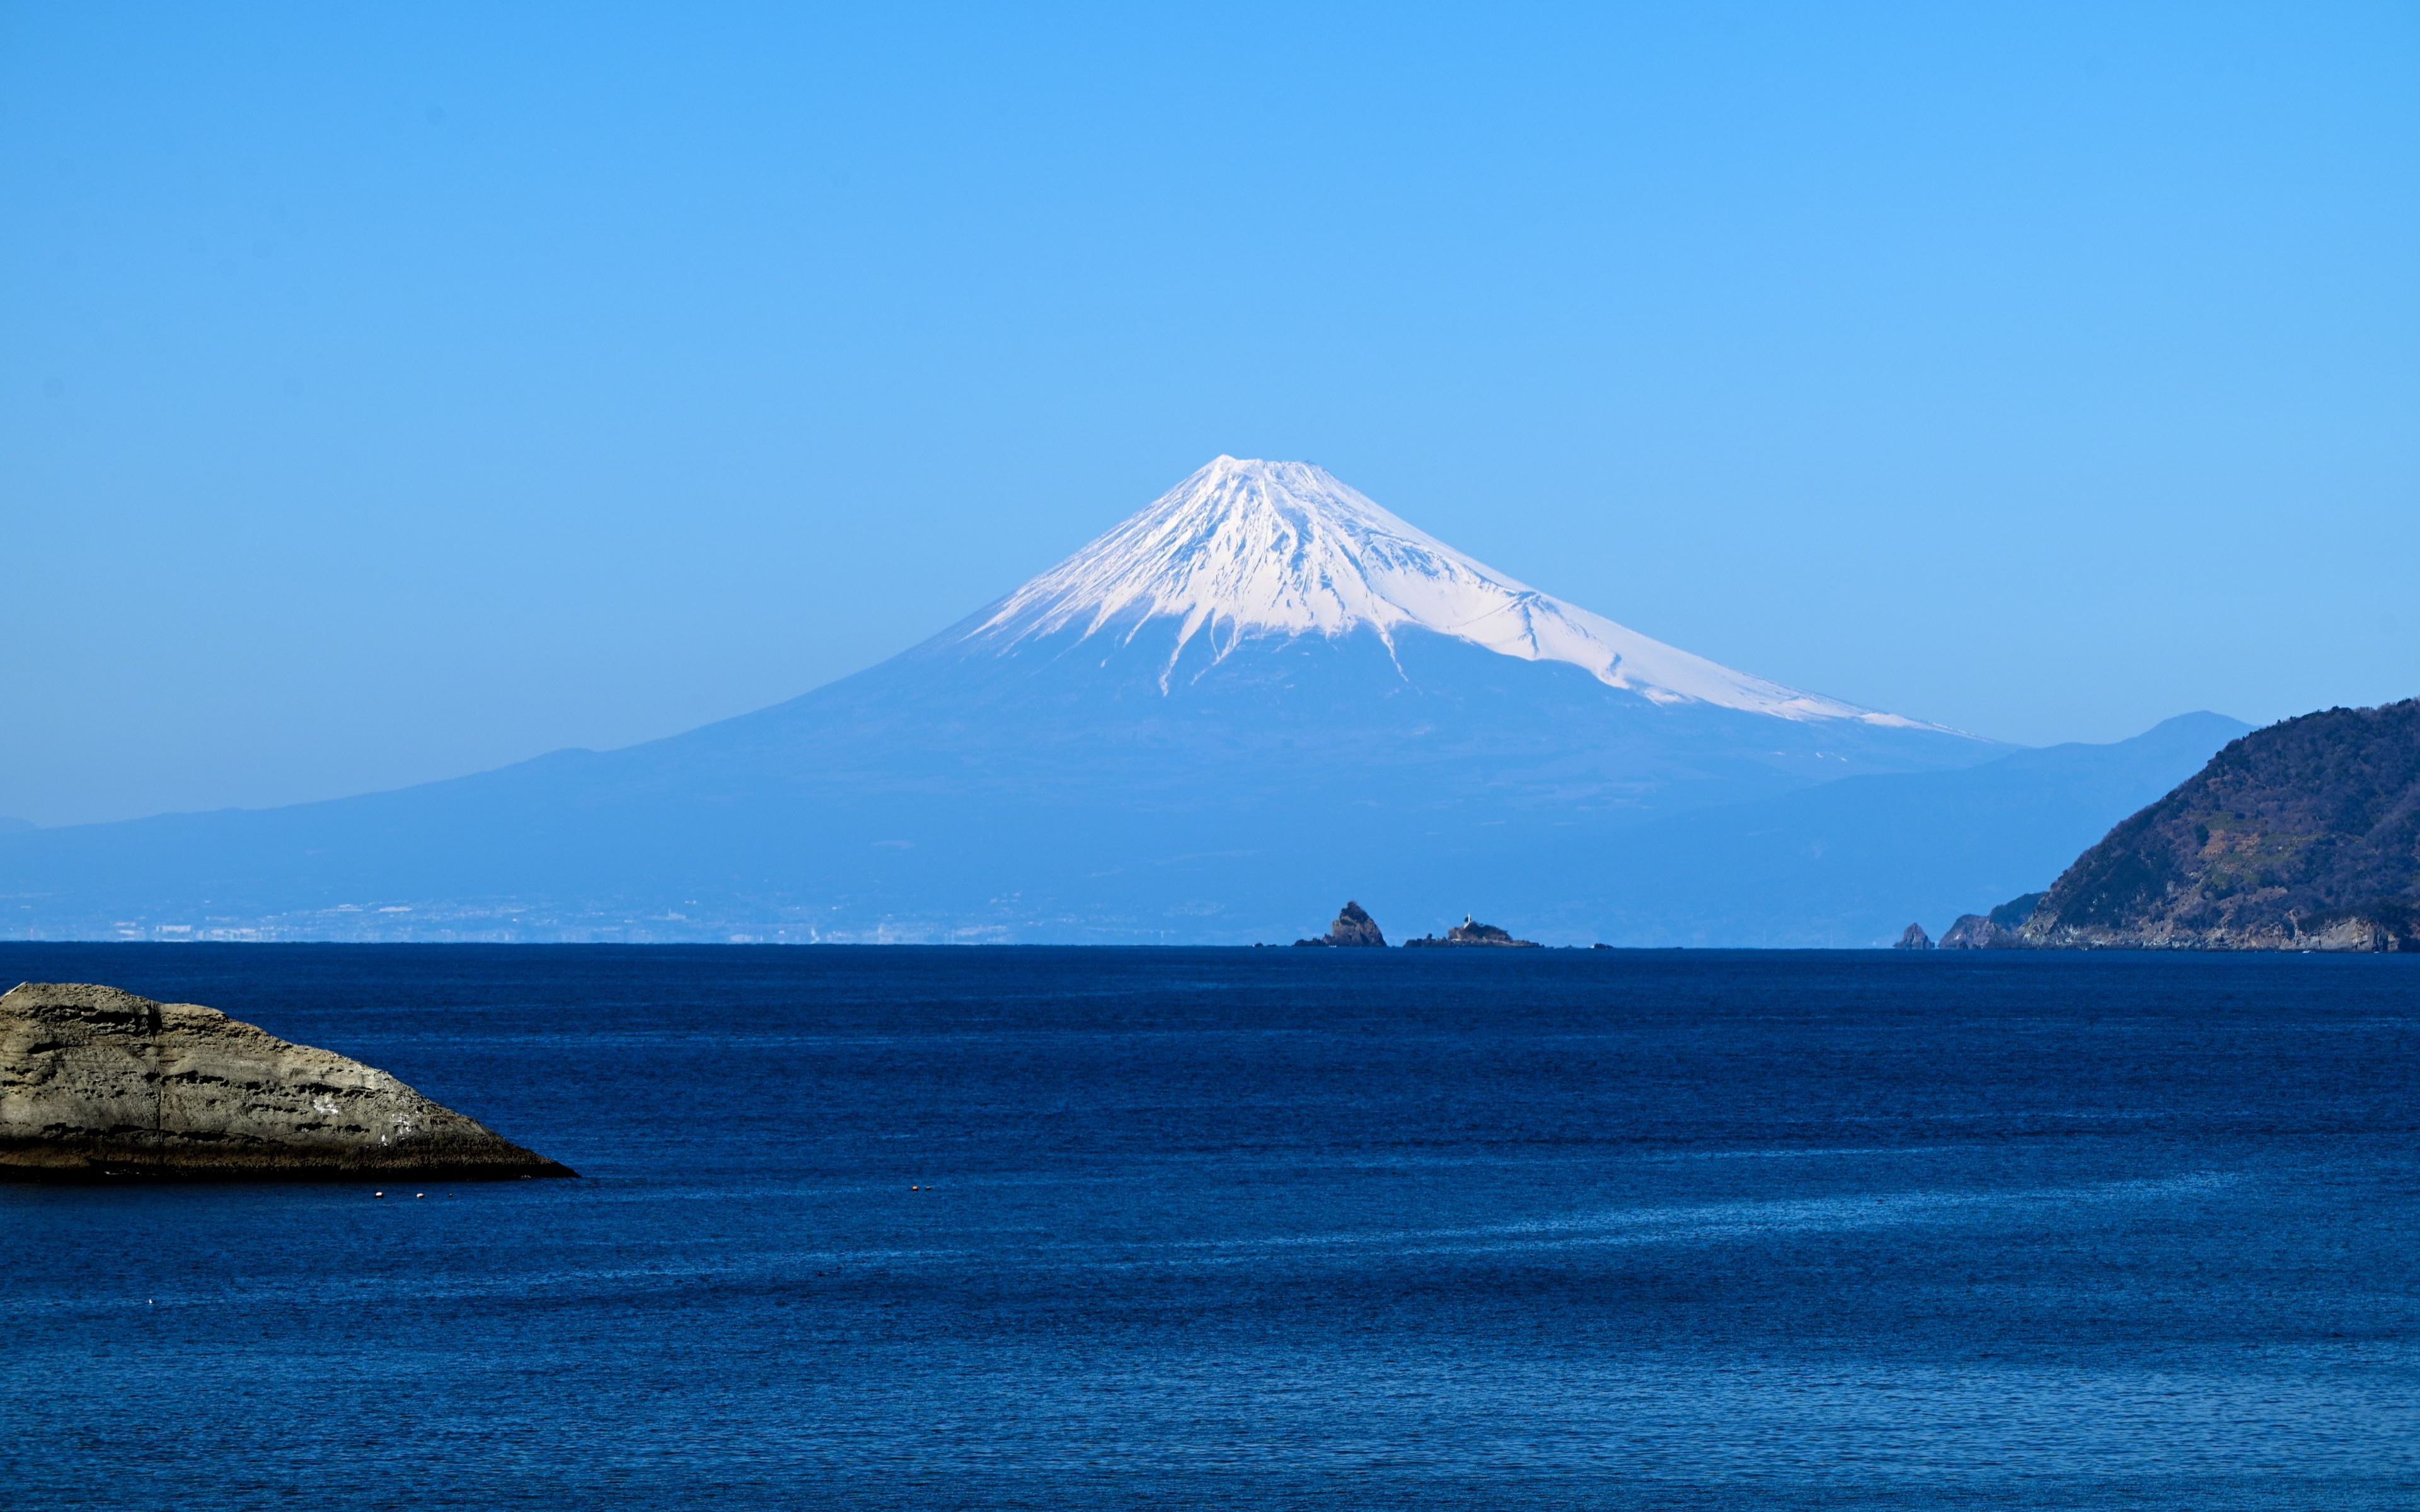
x,y
2301,836
1261,682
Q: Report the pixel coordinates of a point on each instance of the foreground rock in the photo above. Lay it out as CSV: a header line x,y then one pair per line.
x,y
95,1082
1353,927
1467,933
2303,836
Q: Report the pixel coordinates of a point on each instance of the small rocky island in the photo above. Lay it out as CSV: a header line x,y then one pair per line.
x,y
1353,927
1468,933
97,1082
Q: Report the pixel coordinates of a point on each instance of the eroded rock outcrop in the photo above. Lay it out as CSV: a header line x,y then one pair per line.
x,y
1353,927
95,1082
1979,932
1913,938
2002,929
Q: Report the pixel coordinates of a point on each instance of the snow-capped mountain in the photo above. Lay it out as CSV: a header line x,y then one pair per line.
x,y
1246,548
1261,694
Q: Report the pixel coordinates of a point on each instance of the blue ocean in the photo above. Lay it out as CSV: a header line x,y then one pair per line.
x,y
1045,1228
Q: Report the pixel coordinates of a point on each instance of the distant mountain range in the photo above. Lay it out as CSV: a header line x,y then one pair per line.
x,y
1854,862
1262,693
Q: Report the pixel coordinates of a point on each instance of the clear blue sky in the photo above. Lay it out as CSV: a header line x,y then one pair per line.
x,y
389,392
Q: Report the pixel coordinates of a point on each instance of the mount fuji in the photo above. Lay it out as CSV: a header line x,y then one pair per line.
x,y
1259,694
1247,551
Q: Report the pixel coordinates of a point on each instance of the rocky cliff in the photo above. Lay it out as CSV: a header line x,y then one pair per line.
x,y
2301,836
1978,931
95,1082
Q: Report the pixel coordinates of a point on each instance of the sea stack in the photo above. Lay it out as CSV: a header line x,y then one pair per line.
x,y
1914,939
99,1083
1353,927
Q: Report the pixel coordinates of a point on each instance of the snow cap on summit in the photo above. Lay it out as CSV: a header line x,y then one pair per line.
x,y
1246,548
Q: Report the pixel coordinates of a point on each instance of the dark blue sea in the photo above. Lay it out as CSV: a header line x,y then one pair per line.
x,y
1044,1229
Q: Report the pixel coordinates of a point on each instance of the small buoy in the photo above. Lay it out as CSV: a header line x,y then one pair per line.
x,y
378,1194
420,1193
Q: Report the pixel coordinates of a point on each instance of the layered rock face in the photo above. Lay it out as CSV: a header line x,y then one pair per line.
x,y
1353,927
2304,836
1467,933
95,1082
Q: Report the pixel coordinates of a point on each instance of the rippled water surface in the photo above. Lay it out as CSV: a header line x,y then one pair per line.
x,y
1269,1228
